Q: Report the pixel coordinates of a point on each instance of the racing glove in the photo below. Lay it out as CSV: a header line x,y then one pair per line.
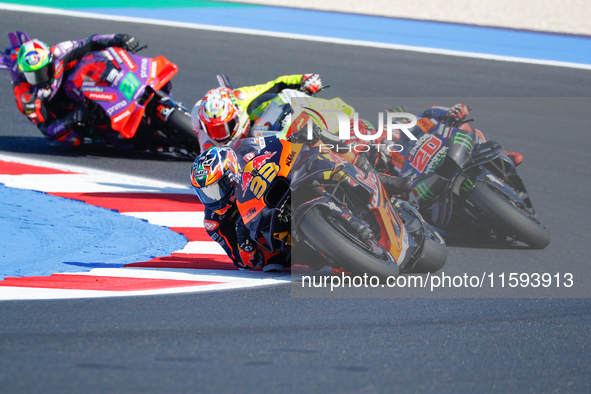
x,y
125,41
79,117
311,83
393,185
455,115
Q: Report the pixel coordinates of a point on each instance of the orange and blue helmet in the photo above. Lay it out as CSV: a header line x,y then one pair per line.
x,y
35,61
213,175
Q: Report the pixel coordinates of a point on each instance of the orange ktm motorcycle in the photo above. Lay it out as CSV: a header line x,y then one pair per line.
x,y
320,210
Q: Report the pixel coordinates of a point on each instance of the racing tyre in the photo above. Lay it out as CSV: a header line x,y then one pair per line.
x,y
180,122
345,248
434,254
508,218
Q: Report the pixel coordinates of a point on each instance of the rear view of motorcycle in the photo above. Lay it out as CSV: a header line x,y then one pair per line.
x,y
467,187
128,98
321,210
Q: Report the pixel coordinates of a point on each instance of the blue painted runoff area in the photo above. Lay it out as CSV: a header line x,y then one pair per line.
x,y
448,36
41,234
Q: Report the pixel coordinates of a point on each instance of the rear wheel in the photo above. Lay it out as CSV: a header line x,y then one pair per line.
x,y
179,123
345,248
508,218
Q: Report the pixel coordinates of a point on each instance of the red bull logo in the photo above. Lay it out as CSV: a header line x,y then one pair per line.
x,y
258,162
247,259
246,178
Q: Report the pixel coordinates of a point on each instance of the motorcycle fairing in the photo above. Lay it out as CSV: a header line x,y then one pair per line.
x,y
115,80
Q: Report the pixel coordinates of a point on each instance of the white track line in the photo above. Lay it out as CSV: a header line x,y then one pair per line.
x,y
256,32
202,247
170,219
111,180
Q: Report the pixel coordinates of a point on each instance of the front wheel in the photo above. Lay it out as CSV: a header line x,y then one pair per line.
x,y
507,218
344,248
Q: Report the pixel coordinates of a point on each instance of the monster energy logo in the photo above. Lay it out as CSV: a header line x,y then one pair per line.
x,y
463,139
467,185
424,192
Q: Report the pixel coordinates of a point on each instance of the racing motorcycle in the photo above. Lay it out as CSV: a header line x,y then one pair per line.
x,y
467,187
460,186
319,209
128,97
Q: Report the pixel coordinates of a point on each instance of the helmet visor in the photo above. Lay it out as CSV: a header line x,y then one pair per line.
x,y
217,194
38,77
221,132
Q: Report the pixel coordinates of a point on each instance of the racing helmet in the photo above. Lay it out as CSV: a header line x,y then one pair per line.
x,y
219,115
35,61
213,175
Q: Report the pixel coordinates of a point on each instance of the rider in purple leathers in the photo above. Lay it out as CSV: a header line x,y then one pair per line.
x,y
37,76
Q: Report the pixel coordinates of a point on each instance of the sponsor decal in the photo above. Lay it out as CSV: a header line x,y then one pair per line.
x,y
126,59
248,157
289,159
210,225
116,56
463,139
200,173
467,185
251,212
129,85
153,69
425,124
334,207
92,89
144,68
224,209
112,75
247,259
108,55
418,144
423,191
101,96
436,159
427,151
59,69
122,116
246,178
258,162
116,107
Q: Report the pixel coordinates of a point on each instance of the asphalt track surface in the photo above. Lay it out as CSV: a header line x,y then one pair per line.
x,y
267,340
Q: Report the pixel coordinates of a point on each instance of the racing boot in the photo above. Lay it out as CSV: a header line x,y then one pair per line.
x,y
393,185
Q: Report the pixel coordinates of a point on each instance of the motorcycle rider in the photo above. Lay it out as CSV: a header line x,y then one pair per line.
x,y
225,114
213,175
456,117
38,75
